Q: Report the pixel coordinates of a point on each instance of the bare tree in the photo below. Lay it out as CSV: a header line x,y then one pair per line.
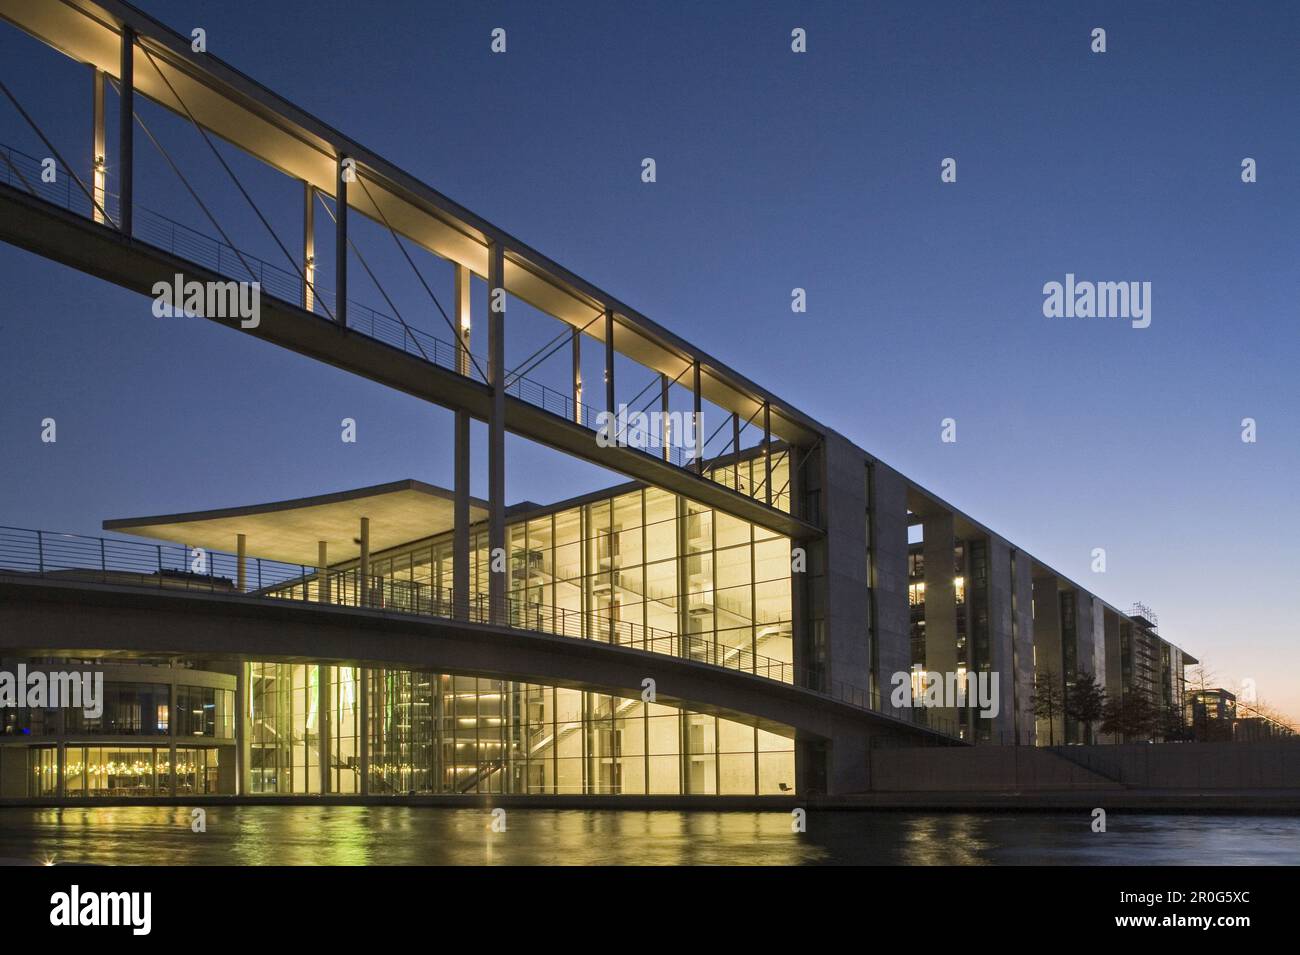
x,y
1085,702
1130,717
1048,701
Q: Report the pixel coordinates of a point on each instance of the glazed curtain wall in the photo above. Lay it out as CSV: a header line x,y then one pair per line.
x,y
431,733
647,558
124,771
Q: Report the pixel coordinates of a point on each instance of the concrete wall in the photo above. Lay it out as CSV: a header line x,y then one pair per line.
x,y
13,771
1188,766
1268,765
978,769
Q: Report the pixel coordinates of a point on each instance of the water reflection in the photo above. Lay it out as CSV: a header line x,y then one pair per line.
x,y
394,835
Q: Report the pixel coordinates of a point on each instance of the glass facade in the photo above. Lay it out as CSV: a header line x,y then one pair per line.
x,y
435,733
645,567
126,770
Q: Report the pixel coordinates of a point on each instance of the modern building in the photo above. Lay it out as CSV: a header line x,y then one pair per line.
x,y
1213,714
760,605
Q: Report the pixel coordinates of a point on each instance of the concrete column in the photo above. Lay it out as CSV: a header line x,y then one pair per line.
x,y
172,719
577,376
844,600
460,521
697,424
363,564
364,731
340,245
1002,650
496,430
1048,650
609,361
1023,621
322,572
126,132
464,320
99,150
241,563
940,605
323,724
1114,662
893,653
309,246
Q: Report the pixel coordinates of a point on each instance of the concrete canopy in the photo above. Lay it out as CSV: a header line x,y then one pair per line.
x,y
290,531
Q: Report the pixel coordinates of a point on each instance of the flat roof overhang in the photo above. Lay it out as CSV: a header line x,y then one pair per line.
x,y
290,531
257,121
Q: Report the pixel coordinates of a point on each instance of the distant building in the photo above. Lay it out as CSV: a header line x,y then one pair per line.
x,y
1211,714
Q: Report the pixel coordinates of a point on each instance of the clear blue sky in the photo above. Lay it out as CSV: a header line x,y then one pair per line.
x,y
775,170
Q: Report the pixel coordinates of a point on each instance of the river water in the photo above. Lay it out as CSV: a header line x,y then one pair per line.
x,y
396,835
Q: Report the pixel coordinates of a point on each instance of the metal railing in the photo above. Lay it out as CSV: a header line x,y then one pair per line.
x,y
79,558
22,171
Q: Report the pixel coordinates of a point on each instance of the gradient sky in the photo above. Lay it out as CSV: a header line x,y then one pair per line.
x,y
775,170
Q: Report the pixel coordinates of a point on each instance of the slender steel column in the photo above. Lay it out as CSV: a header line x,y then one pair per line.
x,y
322,572
241,726
697,425
309,246
464,320
126,132
666,424
609,361
767,452
323,724
61,756
735,447
341,245
99,158
363,565
364,730
496,430
577,376
460,521
460,505
172,719
241,563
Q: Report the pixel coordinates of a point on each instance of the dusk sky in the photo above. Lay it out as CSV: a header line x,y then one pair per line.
x,y
775,170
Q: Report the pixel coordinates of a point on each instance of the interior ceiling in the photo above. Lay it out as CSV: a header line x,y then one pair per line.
x,y
88,32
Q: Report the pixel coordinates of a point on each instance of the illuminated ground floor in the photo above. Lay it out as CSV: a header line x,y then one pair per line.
x,y
175,728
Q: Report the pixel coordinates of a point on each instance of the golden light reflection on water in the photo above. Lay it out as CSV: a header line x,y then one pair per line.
x,y
399,835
